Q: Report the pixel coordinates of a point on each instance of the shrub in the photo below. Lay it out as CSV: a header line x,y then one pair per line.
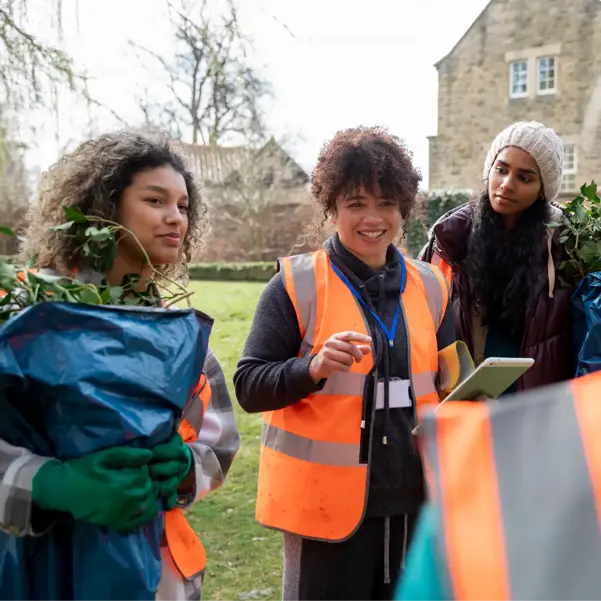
x,y
428,209
261,271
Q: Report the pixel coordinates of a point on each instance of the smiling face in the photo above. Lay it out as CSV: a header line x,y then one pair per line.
x,y
514,182
155,208
367,224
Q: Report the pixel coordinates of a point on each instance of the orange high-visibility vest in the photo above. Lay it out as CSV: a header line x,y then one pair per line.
x,y
311,481
444,267
518,493
188,552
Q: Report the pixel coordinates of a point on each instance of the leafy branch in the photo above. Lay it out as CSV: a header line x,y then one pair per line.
x,y
98,240
580,232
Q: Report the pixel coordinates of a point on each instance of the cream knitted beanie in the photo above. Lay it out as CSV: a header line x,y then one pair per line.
x,y
541,143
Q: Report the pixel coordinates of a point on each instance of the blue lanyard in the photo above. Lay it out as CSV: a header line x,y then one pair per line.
x,y
390,332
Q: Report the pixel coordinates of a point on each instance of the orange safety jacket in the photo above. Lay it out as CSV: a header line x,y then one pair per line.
x,y
187,550
311,481
517,488
444,267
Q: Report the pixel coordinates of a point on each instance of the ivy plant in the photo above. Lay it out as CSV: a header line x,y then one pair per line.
x,y
97,238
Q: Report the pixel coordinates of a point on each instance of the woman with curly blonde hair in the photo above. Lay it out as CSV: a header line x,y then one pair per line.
x,y
143,185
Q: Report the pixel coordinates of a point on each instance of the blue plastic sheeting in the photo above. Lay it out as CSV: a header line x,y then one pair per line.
x,y
586,311
75,379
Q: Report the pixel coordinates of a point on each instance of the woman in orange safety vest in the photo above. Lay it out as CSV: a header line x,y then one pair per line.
x,y
347,344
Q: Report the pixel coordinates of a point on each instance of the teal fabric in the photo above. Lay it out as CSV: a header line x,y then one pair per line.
x,y
422,580
499,343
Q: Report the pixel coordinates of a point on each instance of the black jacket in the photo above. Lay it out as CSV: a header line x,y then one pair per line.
x,y
271,376
547,336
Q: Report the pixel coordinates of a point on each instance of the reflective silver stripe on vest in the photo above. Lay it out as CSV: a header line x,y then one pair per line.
x,y
352,383
305,290
344,383
547,499
194,410
550,523
433,288
313,451
424,383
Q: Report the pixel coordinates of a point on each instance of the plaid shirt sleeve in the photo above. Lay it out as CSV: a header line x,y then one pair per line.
x,y
18,517
218,438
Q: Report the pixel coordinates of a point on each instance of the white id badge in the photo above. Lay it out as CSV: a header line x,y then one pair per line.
x,y
398,396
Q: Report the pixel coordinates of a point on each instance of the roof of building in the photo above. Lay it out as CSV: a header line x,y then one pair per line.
x,y
467,31
218,165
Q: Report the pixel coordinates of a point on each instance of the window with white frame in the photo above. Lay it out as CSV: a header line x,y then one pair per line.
x,y
518,79
570,166
546,75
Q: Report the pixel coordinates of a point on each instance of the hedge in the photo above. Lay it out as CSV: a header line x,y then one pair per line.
x,y
427,211
259,271
249,272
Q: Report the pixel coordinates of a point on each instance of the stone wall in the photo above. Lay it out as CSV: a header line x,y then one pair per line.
x,y
474,103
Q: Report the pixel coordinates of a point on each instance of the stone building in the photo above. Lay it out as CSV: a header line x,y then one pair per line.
x,y
259,203
521,60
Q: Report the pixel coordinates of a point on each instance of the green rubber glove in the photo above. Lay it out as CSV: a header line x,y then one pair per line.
x,y
111,487
171,463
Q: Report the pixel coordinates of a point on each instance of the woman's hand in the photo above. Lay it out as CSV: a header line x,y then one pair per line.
x,y
170,466
111,487
339,353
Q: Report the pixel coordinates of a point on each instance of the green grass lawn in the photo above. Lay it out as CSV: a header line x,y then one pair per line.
x,y
244,559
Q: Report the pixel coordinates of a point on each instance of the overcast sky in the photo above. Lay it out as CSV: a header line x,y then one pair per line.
x,y
332,64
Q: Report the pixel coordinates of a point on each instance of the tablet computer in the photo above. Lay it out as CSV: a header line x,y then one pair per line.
x,y
490,379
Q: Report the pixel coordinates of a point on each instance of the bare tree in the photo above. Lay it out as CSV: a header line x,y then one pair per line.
x,y
214,88
14,184
26,63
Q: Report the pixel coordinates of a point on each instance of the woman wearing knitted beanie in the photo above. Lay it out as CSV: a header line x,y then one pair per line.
x,y
501,258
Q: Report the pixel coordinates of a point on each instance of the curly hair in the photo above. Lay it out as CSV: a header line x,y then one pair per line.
x,y
364,157
92,178
502,264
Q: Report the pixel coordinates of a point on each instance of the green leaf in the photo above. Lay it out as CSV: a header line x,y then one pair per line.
x,y
589,191
44,277
116,292
581,214
89,296
62,226
75,214
554,225
99,235
7,270
131,301
7,231
106,260
589,252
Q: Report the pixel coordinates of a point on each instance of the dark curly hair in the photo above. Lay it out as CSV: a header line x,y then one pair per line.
x,y
502,264
93,178
366,157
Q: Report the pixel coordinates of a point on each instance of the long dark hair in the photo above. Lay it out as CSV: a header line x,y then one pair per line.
x,y
502,265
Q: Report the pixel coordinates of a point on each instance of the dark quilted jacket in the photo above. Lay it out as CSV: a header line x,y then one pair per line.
x,y
547,334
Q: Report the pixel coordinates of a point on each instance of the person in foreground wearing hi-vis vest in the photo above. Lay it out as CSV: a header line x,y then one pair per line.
x,y
347,344
515,510
144,185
